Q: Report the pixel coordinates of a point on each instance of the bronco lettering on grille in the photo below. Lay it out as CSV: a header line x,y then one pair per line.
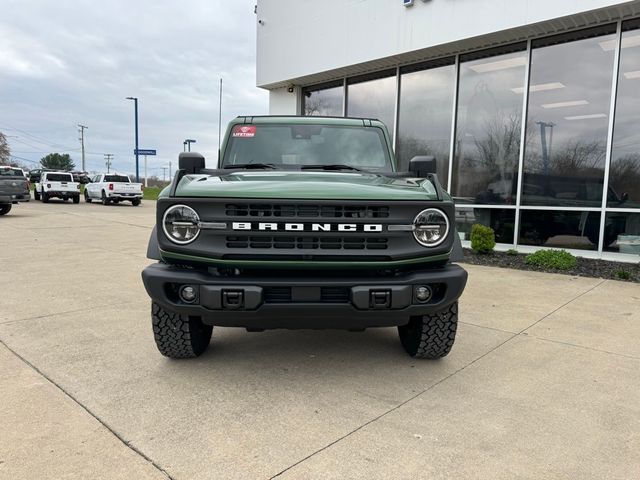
x,y
308,227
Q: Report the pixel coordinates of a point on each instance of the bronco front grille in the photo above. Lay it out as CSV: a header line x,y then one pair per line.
x,y
325,295
311,243
310,211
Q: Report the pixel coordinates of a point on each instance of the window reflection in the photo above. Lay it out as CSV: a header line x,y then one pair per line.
x,y
560,229
501,220
326,100
424,122
487,146
622,232
373,99
624,174
568,117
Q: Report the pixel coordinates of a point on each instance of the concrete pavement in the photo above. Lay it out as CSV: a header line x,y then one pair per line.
x,y
542,381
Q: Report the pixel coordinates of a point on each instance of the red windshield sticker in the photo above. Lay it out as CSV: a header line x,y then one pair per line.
x,y
244,131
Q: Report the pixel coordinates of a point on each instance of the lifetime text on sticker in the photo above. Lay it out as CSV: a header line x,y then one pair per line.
x,y
244,131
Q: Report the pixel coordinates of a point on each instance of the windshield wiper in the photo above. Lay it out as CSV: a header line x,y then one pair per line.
x,y
335,166
264,166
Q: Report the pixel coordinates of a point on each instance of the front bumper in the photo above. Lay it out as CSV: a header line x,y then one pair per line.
x,y
341,302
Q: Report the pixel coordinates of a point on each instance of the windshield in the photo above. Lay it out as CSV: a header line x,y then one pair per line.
x,y
116,178
292,146
11,172
59,177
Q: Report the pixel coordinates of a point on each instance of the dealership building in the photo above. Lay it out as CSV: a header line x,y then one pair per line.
x,y
531,107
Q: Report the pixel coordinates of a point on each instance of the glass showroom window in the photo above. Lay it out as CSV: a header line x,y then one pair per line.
x,y
502,220
373,97
560,229
425,111
489,123
622,232
624,173
568,118
325,99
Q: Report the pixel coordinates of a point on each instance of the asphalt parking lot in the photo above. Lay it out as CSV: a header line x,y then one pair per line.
x,y
543,381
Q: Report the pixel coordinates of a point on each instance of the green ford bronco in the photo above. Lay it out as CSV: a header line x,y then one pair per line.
x,y
305,224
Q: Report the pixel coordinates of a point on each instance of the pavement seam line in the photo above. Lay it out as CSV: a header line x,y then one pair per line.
x,y
86,409
430,387
561,307
599,350
39,317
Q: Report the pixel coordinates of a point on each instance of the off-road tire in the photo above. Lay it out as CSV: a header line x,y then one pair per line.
x,y
87,198
105,200
76,198
179,336
45,197
4,209
36,195
430,336
135,202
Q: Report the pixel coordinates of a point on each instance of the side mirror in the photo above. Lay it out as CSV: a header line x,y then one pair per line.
x,y
422,165
190,162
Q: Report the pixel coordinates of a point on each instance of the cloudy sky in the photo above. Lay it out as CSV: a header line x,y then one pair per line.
x,y
64,63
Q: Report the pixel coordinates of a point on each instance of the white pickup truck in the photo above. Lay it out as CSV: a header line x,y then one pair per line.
x,y
57,185
113,187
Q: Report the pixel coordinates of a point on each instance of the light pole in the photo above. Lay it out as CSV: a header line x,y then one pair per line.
x,y
135,102
188,143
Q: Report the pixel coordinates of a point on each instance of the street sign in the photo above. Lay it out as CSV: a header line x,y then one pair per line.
x,y
144,152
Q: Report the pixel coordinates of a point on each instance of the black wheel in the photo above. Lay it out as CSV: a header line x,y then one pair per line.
x,y
45,197
135,202
105,200
76,198
87,198
36,195
179,336
4,209
430,336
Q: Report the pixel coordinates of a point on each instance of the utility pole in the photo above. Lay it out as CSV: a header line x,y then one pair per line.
x,y
81,132
169,170
107,161
164,174
546,150
220,117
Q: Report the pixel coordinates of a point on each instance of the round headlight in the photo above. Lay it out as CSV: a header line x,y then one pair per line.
x,y
180,224
431,227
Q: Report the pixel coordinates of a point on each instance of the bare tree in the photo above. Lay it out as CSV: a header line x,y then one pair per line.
x,y
5,151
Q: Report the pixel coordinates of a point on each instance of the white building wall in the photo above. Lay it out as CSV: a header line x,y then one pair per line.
x,y
283,102
296,38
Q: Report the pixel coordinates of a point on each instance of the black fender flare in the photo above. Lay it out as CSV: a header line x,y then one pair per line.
x,y
153,249
457,255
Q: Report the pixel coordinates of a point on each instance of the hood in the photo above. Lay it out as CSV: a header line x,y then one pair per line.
x,y
306,186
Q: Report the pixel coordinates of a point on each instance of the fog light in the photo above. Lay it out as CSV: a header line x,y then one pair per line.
x,y
188,294
423,294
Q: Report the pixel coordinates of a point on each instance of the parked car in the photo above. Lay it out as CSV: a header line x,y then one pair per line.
x,y
34,175
81,177
57,185
14,188
113,188
305,225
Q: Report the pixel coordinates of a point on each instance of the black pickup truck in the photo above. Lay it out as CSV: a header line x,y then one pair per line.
x,y
14,188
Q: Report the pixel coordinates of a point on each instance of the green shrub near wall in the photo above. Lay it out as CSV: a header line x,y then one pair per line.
x,y
552,259
483,239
